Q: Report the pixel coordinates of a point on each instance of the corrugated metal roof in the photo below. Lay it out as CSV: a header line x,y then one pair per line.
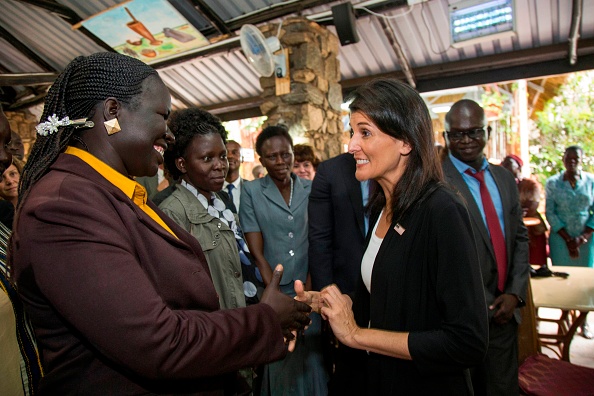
x,y
46,34
424,33
216,79
16,60
226,80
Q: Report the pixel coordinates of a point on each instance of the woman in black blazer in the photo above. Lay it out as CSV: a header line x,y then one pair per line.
x,y
419,311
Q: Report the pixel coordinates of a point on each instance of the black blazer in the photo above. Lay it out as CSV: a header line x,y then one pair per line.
x,y
516,234
336,225
425,282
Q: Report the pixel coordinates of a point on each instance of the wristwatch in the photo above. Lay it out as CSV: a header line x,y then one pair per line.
x,y
521,302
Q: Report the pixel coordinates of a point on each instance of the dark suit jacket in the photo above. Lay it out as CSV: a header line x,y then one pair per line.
x,y
336,225
121,306
516,234
425,282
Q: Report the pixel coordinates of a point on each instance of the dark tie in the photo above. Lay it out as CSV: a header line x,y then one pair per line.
x,y
230,188
494,226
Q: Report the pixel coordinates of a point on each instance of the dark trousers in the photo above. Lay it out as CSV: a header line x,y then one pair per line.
x,y
498,375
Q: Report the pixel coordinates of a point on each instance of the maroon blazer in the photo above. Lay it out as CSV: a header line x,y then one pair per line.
x,y
121,306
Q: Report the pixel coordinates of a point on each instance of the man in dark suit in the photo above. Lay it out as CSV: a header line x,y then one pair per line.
x,y
337,224
503,251
337,229
233,182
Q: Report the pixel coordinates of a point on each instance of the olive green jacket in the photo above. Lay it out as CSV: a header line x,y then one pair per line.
x,y
217,241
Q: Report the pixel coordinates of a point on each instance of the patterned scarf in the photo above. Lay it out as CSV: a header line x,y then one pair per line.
x,y
217,209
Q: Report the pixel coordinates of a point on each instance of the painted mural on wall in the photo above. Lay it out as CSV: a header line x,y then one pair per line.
x,y
150,30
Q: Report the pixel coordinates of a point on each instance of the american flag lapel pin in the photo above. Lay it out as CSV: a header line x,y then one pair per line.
x,y
399,229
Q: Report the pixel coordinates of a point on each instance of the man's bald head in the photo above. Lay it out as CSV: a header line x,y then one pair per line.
x,y
465,108
467,132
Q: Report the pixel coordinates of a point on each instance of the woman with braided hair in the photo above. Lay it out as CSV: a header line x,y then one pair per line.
x,y
119,295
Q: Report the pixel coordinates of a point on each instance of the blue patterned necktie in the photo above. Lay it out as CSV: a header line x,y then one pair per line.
x,y
230,188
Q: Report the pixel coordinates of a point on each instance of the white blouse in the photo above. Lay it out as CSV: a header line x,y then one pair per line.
x,y
369,257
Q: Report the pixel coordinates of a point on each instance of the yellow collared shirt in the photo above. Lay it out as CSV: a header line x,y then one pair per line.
x,y
132,189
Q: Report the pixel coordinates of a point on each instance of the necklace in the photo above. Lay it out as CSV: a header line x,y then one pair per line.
x,y
291,196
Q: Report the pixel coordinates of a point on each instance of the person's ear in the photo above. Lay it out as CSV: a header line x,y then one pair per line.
x,y
489,132
405,149
111,108
180,164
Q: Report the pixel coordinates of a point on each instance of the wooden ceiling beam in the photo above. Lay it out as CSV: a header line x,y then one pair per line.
x,y
62,11
10,79
532,60
398,51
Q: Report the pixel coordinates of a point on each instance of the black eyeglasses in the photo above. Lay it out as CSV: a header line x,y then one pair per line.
x,y
472,134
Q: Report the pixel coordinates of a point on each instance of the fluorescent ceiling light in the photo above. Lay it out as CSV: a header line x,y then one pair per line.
x,y
440,109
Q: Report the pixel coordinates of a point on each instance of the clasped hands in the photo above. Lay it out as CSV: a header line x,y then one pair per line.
x,y
294,313
334,307
573,245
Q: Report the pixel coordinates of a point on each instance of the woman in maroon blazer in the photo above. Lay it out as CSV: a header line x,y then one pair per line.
x,y
120,297
419,311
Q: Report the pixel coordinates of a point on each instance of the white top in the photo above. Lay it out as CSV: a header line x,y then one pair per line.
x,y
236,191
369,257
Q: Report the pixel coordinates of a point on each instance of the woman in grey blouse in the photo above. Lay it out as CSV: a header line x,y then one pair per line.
x,y
273,214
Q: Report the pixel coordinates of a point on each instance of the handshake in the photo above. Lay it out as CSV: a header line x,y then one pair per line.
x,y
294,313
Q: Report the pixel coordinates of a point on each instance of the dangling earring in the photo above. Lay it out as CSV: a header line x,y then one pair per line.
x,y
112,126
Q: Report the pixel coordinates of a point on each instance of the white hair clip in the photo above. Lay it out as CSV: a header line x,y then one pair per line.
x,y
53,123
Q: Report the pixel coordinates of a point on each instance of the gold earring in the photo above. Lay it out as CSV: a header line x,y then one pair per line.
x,y
112,126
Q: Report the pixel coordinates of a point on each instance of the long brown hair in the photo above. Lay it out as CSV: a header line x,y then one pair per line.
x,y
399,111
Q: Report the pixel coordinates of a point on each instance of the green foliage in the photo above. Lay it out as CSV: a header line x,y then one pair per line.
x,y
567,119
498,102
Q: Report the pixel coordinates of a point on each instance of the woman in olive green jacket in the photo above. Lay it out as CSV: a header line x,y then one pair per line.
x,y
199,161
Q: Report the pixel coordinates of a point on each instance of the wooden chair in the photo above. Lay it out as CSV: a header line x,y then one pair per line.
x,y
541,375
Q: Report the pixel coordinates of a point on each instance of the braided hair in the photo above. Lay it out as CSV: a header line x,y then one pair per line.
x,y
185,125
86,81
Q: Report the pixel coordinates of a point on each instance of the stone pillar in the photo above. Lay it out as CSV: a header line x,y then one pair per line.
x,y
312,109
23,122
